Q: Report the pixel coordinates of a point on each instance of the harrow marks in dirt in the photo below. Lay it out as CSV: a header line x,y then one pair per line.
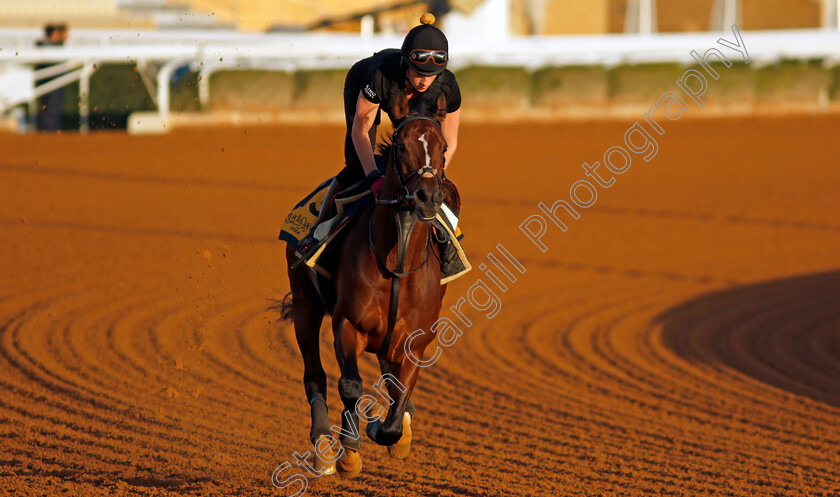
x,y
682,338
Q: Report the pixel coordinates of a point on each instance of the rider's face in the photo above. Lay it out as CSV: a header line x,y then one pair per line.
x,y
418,81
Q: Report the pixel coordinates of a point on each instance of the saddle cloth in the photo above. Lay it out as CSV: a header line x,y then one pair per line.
x,y
303,215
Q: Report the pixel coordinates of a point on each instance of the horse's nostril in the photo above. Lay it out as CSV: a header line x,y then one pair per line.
x,y
421,196
439,197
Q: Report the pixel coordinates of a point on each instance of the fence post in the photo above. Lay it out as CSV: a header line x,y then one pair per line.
x,y
84,96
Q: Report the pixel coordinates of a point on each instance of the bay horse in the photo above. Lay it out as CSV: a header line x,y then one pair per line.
x,y
384,286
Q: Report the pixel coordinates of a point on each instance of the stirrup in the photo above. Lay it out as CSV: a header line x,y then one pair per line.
x,y
307,247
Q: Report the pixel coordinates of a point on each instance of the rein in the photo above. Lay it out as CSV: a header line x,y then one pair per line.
x,y
401,247
406,221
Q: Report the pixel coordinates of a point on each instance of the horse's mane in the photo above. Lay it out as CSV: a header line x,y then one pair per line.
x,y
384,147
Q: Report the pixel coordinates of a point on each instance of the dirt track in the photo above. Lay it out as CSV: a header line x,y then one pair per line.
x,y
682,338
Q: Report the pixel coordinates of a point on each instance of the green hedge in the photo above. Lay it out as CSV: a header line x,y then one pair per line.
x,y
793,81
322,90
834,88
736,84
117,90
642,82
562,86
251,90
501,87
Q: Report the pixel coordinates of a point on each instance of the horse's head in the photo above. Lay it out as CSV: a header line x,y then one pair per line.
x,y
416,162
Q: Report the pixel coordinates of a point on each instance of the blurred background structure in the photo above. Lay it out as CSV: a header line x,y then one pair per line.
x,y
524,17
285,59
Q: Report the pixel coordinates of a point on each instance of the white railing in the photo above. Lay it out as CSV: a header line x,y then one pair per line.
x,y
157,53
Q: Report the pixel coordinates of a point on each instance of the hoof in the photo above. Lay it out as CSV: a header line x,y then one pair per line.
x,y
350,464
324,460
401,449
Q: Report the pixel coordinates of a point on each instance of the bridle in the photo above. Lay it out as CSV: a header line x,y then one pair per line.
x,y
403,215
404,197
405,219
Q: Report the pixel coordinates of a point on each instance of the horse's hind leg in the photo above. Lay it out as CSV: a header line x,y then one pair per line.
x,y
308,313
348,347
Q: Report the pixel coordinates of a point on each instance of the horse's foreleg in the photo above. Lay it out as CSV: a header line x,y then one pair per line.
x,y
385,369
400,384
348,347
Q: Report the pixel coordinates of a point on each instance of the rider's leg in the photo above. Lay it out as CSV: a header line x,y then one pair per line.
x,y
309,242
327,207
450,260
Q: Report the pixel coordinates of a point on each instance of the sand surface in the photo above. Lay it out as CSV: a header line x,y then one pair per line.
x,y
681,338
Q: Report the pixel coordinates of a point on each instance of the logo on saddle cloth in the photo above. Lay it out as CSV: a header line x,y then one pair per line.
x,y
297,224
300,220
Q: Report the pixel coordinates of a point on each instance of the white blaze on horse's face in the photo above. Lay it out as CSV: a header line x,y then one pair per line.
x,y
425,143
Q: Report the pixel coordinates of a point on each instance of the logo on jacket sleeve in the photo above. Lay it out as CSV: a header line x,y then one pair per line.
x,y
369,92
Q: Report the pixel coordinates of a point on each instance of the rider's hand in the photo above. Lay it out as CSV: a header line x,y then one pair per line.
x,y
376,186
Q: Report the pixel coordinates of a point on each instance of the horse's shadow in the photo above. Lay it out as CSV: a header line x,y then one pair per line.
x,y
785,333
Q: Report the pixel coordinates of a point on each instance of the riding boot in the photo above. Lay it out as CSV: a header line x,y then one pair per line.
x,y
450,261
451,264
310,242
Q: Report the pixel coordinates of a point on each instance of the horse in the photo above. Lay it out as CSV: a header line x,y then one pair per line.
x,y
384,286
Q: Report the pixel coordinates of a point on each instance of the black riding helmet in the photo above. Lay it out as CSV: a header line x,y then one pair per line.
x,y
425,49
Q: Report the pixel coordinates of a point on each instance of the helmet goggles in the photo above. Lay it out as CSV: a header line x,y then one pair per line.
x,y
421,56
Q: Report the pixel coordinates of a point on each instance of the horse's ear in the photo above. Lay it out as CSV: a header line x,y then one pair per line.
x,y
440,108
400,106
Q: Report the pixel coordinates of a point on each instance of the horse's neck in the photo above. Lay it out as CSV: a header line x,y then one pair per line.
x,y
385,237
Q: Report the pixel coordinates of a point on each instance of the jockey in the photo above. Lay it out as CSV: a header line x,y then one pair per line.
x,y
417,71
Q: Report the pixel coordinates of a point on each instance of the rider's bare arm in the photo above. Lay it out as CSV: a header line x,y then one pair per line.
x,y
372,135
361,133
449,127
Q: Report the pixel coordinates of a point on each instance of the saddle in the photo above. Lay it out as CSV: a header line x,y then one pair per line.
x,y
348,204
